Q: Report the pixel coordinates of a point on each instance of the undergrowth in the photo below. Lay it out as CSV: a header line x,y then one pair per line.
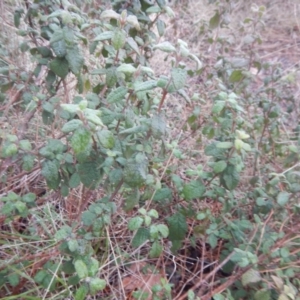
x,y
120,180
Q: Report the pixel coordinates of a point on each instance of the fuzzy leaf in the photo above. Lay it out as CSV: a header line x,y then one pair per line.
x,y
229,178
135,174
73,245
60,67
90,174
81,292
219,166
165,47
132,20
75,60
117,95
81,141
141,236
224,145
51,174
283,198
251,276
107,35
96,285
71,125
25,145
218,106
118,39
126,69
158,126
133,45
163,229
193,190
155,250
178,76
236,76
144,86
135,223
215,20
106,138
109,14
81,269
263,294
58,43
177,227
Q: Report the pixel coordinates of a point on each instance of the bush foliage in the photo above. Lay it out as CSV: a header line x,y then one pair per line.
x,y
105,178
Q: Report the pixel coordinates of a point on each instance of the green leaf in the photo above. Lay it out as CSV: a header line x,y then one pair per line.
x,y
178,77
58,43
25,145
96,285
160,27
93,266
213,241
218,107
60,67
236,76
111,77
283,198
133,45
215,20
141,236
75,60
44,51
20,206
107,35
126,69
109,14
163,229
63,233
17,18
158,126
29,197
88,218
193,190
118,39
10,150
81,269
263,294
219,166
81,141
13,279
135,223
224,145
133,20
230,178
74,180
135,174
146,85
90,174
177,227
163,195
71,125
51,174
73,245
251,276
117,95
131,200
165,47
106,138
218,297
155,250
133,130
81,292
